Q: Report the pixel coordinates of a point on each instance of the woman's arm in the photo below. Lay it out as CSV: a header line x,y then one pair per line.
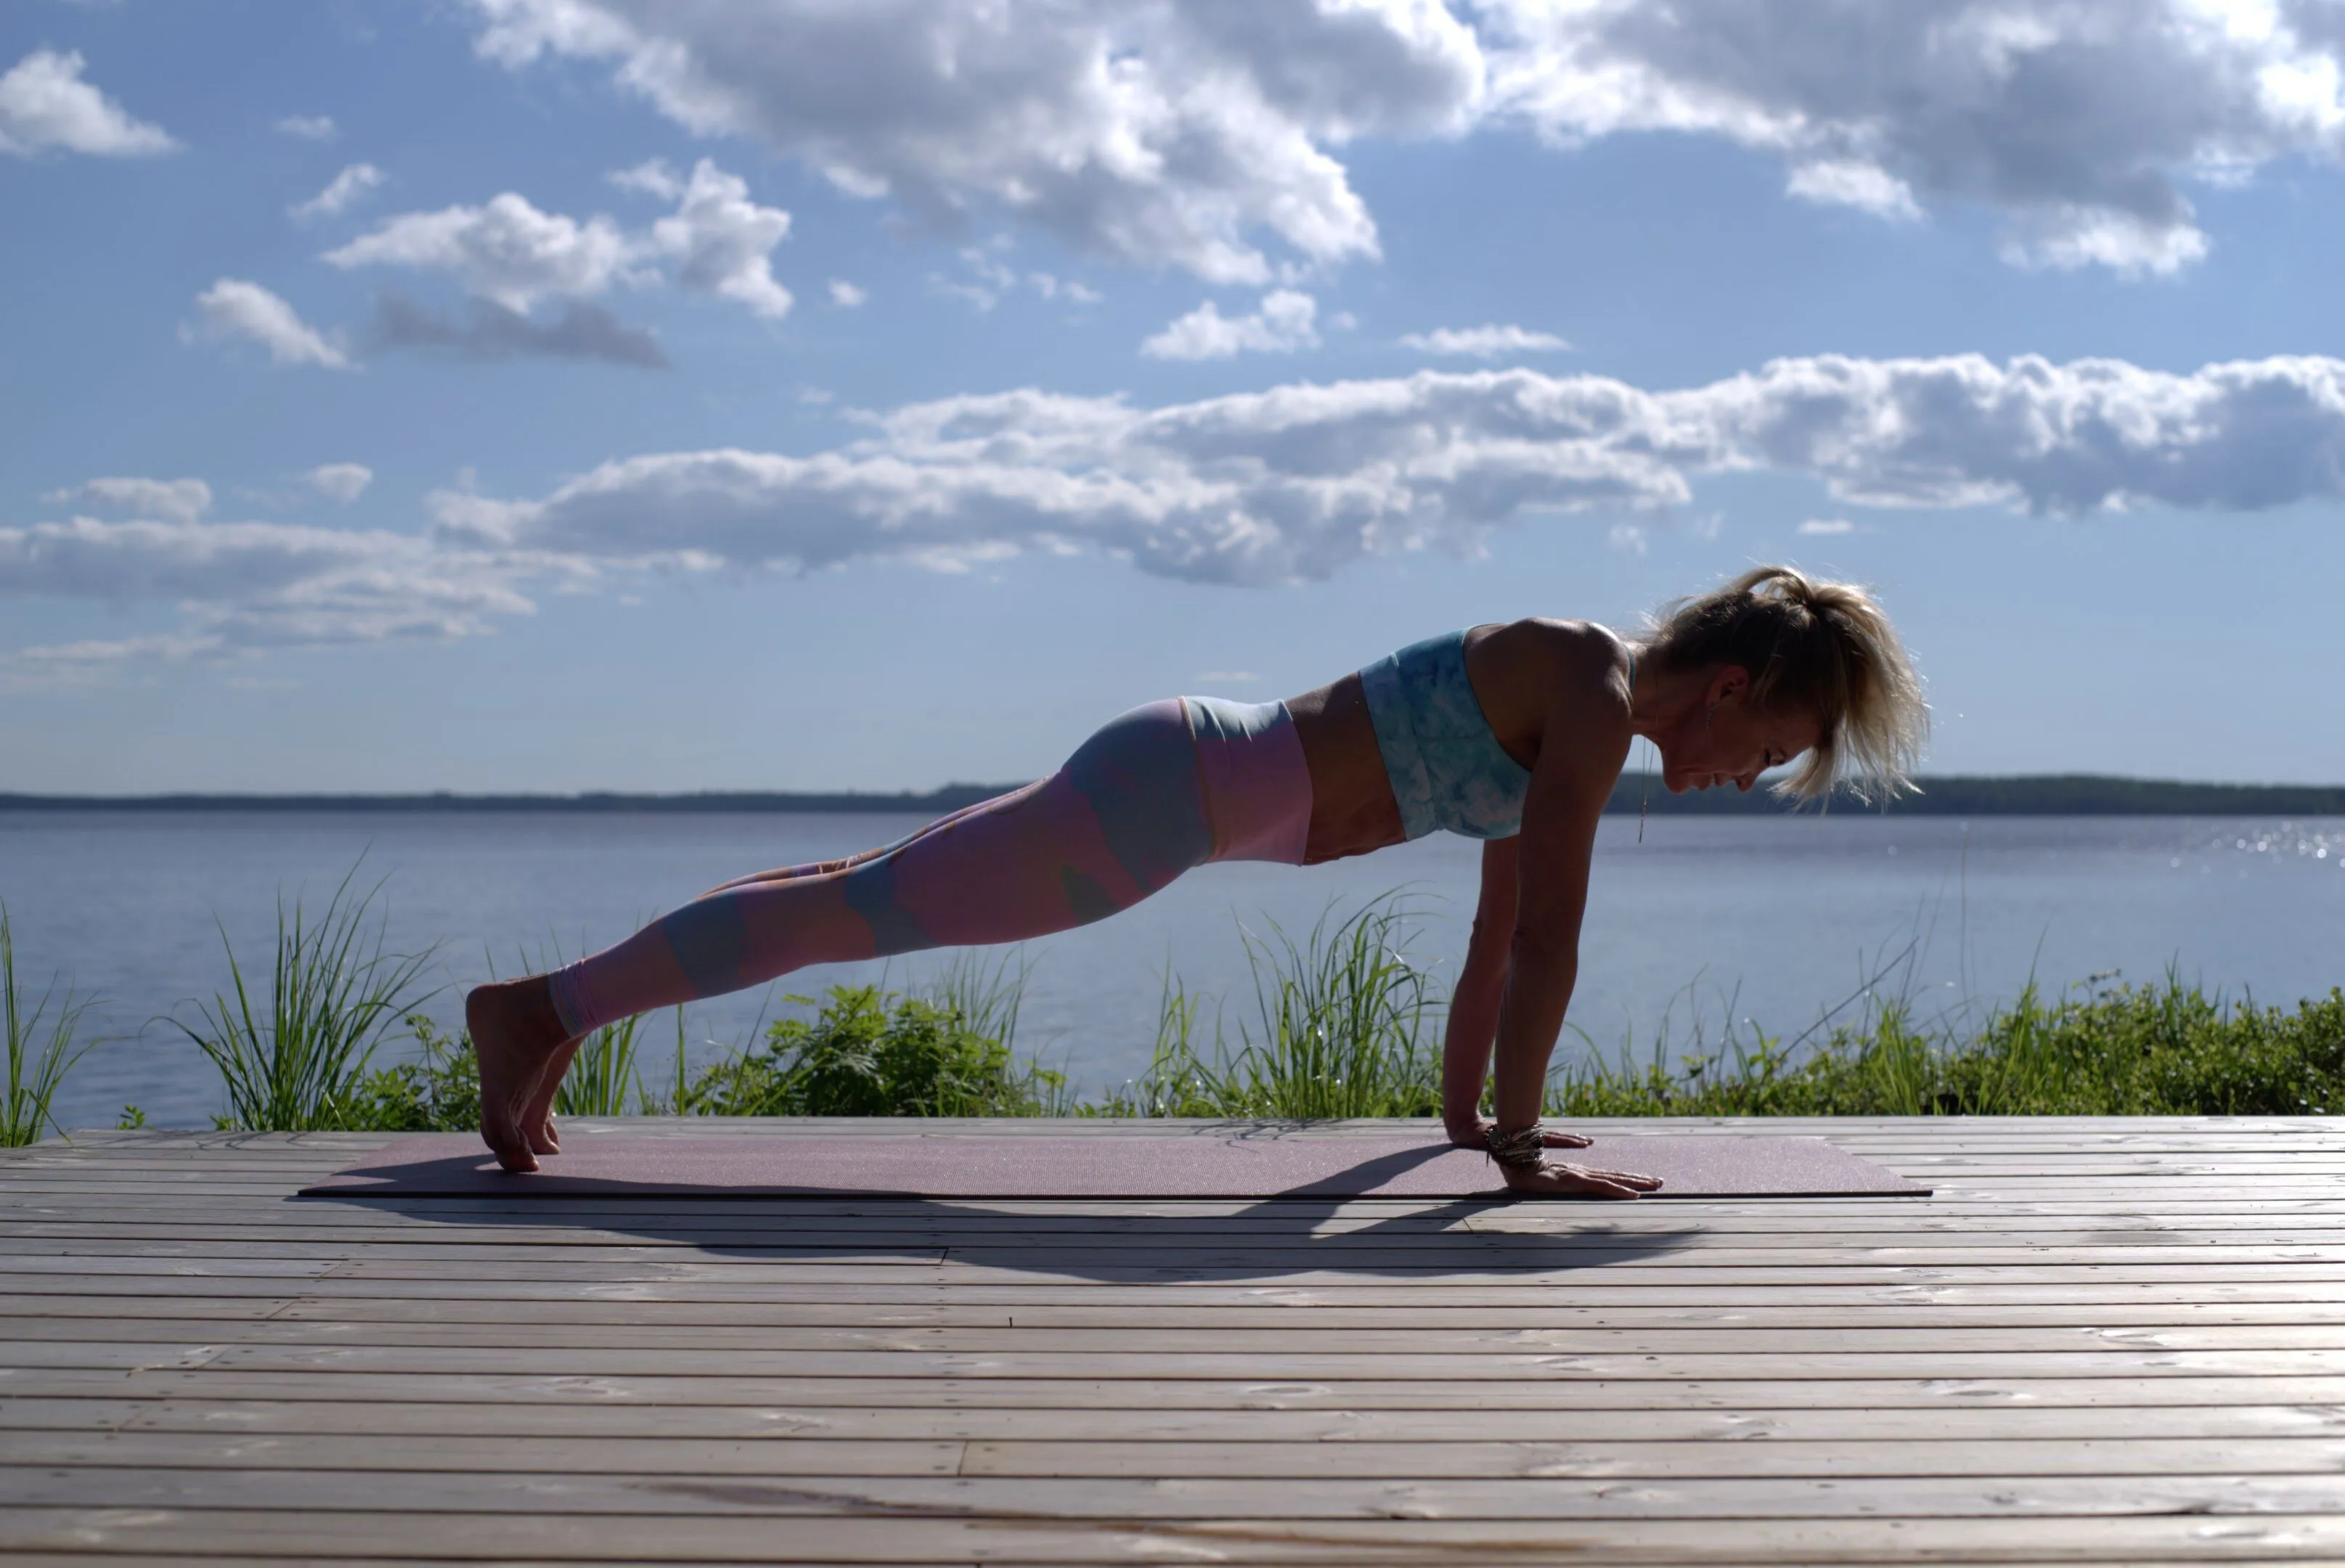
x,y
1474,1004
1586,743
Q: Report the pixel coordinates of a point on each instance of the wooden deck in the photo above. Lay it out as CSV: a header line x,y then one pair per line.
x,y
2109,1341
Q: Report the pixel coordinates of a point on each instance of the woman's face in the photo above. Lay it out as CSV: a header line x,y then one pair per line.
x,y
1729,741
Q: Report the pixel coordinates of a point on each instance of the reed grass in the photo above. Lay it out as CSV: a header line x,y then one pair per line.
x,y
1345,1025
296,1059
43,1047
2163,1048
603,1073
1343,1022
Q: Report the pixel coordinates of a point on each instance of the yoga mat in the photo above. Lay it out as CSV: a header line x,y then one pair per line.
x,y
1236,1163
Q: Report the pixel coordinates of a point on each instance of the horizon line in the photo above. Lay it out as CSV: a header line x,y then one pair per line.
x,y
2063,794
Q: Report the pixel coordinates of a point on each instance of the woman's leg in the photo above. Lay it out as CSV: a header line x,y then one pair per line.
x,y
825,867
1120,821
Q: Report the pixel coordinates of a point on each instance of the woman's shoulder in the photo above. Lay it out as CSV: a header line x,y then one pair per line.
x,y
1535,672
1553,648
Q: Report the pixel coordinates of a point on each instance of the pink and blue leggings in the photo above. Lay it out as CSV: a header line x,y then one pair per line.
x,y
1160,789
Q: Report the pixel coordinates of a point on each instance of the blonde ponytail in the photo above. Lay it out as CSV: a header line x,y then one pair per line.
x,y
1826,647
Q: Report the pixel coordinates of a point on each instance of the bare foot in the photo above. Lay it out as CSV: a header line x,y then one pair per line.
x,y
516,1036
537,1114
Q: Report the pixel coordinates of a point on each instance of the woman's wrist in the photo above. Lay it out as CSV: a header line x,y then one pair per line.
x,y
1517,1149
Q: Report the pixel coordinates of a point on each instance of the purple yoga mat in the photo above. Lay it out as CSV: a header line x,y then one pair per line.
x,y
1238,1163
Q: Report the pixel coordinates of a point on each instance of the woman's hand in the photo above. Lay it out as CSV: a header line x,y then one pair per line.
x,y
1556,1180
1476,1134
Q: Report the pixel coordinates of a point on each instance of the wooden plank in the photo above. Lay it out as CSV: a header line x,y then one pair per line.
x,y
31,1450
486,1412
1836,1217
774,1456
1453,1258
1468,1237
780,1457
1652,1261
68,1306
1075,1270
2081,1307
506,1330
2000,1497
173,1192
216,1380
508,1534
2128,1364
1556,1300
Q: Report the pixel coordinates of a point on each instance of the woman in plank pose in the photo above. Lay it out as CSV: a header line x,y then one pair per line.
x,y
1515,735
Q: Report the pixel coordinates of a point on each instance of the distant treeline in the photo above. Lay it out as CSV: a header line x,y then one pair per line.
x,y
2044,795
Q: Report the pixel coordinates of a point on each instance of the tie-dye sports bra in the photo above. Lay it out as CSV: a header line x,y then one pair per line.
x,y
1448,769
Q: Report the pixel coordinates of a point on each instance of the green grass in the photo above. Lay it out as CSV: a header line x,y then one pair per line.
x,y
2160,1050
296,1059
42,1049
1346,1024
870,1051
603,1073
1343,1022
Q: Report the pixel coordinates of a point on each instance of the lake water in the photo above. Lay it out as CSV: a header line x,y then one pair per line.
x,y
1777,919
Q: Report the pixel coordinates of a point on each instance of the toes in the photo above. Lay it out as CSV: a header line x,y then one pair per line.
x,y
504,1139
537,1109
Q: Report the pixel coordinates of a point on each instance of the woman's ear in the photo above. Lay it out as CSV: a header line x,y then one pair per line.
x,y
1727,683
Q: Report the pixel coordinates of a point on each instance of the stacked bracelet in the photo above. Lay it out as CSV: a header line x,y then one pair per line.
x,y
1525,1149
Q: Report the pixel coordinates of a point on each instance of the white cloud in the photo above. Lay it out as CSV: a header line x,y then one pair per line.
x,y
234,308
345,188
1284,323
43,104
1845,182
308,128
2082,122
1167,133
509,253
1296,483
1827,525
653,177
2069,239
504,250
1290,484
846,296
260,584
1203,134
488,331
340,481
723,242
178,500
1486,343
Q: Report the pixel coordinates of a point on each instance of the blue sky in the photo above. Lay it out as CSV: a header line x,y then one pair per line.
x,y
562,394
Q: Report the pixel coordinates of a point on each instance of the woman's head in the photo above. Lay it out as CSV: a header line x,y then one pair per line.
x,y
1808,651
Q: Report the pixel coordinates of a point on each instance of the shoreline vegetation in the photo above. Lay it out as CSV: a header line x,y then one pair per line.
x,y
2028,794
1344,1021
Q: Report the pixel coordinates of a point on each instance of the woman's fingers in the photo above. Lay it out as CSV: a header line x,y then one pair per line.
x,y
1578,1181
1642,1183
1555,1140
